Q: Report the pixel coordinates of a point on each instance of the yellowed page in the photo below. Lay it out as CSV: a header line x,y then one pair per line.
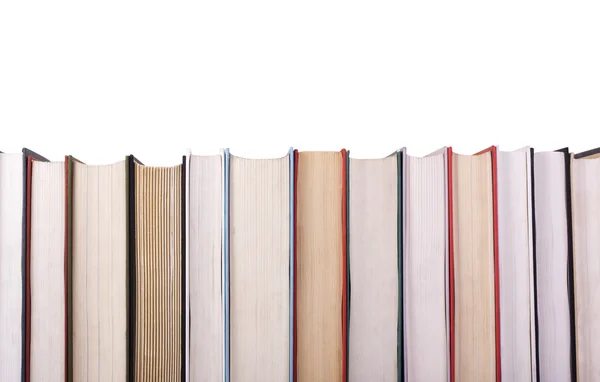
x,y
474,268
158,273
586,262
319,267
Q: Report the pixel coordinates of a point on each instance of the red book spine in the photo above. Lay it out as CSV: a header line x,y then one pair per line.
x,y
451,260
496,262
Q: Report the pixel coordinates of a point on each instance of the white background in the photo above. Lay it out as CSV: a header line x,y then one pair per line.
x,y
102,79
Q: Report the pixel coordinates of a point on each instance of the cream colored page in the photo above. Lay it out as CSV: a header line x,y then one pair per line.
x,y
513,257
11,268
424,269
319,267
259,269
158,273
552,250
206,294
99,272
373,215
47,267
474,268
586,246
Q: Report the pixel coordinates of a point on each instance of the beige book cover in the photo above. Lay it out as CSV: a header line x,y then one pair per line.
x,y
517,318
373,261
585,191
47,314
319,270
205,219
259,213
426,267
552,258
99,271
11,267
473,252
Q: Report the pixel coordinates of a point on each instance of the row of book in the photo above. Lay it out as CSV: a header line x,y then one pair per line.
x,y
311,267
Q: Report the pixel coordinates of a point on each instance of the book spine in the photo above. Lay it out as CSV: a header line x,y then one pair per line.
x,y
131,299
295,265
68,269
184,271
28,271
448,201
400,243
570,270
186,246
496,261
535,339
451,262
226,256
346,267
292,255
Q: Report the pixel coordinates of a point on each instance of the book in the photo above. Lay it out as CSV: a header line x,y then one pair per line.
x,y
156,251
554,265
46,267
515,259
97,233
205,299
12,266
426,268
320,267
259,274
311,266
585,193
373,262
473,270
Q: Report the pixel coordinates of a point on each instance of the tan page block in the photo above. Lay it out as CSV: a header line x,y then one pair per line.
x,y
474,268
319,267
158,273
586,262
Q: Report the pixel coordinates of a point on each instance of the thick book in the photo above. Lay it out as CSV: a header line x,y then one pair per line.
x,y
157,277
259,273
97,245
426,268
373,256
12,266
554,266
516,260
585,191
474,310
320,267
205,300
46,267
